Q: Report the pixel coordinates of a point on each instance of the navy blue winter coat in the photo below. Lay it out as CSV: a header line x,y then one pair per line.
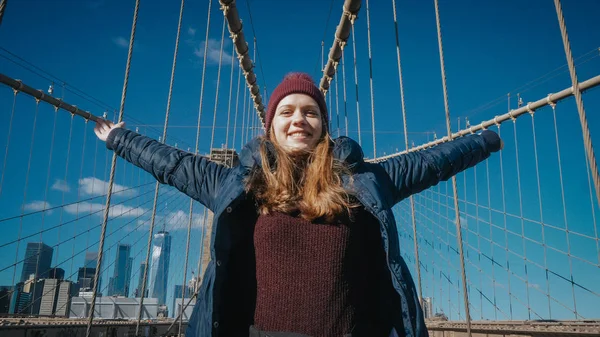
x,y
227,296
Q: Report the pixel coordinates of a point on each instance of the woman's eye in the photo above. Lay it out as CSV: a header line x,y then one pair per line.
x,y
311,113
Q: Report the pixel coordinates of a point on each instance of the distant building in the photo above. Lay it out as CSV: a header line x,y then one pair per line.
x,y
114,308
187,313
54,298
91,260
56,273
177,296
138,290
5,297
159,269
38,257
427,307
119,283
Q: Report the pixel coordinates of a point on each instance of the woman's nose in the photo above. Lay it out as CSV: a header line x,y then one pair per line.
x,y
298,117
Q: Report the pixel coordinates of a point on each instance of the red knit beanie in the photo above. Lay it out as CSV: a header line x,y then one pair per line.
x,y
295,83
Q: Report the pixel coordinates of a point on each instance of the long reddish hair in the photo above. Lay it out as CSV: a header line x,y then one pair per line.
x,y
308,183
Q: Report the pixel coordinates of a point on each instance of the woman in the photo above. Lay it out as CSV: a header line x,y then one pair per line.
x,y
304,241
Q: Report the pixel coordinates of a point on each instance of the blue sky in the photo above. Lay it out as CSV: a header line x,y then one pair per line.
x,y
491,49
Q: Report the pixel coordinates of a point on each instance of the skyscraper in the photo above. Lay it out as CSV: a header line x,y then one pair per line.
x,y
159,269
38,257
138,290
91,259
119,283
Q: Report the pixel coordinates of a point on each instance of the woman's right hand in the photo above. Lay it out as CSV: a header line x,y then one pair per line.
x,y
104,127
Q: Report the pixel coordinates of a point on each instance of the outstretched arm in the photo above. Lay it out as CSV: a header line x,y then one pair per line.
x,y
416,171
193,175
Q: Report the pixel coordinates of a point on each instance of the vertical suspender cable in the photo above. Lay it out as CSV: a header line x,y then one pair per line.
x,y
212,138
356,82
2,9
157,185
10,122
344,91
371,81
237,105
587,139
412,200
112,174
454,187
229,99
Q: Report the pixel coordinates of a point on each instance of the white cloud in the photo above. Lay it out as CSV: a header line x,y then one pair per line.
x,y
96,187
213,50
37,205
120,41
174,221
191,31
116,210
61,185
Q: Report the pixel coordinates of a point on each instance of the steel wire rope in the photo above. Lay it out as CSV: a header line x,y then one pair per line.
x,y
37,264
564,206
85,128
64,241
229,99
337,102
593,210
37,105
105,269
448,261
200,106
112,172
344,91
164,139
405,128
59,225
454,187
8,134
259,61
371,81
65,180
521,215
212,138
237,105
243,128
324,35
88,246
356,82
489,199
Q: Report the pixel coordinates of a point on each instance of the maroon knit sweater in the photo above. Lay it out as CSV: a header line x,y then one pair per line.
x,y
320,279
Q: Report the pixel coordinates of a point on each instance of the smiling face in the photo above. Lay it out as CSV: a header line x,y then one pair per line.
x,y
297,124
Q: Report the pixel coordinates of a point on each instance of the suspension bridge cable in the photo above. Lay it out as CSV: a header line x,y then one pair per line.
x,y
505,224
237,105
324,35
356,83
454,187
258,60
212,138
10,123
28,171
85,128
30,305
244,111
37,274
344,91
337,103
564,206
587,139
164,138
405,128
371,80
229,99
539,190
65,179
112,172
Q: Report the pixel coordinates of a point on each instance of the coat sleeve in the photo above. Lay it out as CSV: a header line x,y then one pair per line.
x,y
416,171
193,175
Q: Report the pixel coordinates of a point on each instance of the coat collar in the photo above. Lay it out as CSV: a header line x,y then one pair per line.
x,y
344,149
